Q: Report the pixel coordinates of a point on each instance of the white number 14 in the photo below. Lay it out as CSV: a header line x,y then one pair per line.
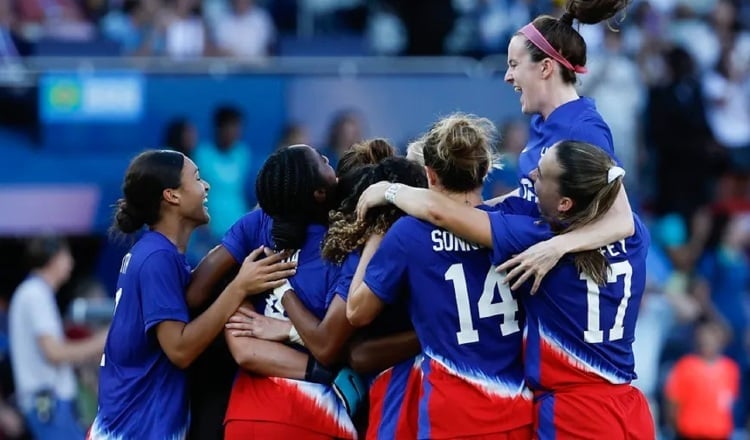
x,y
507,307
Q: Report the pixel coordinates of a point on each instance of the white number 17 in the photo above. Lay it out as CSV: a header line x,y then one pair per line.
x,y
594,333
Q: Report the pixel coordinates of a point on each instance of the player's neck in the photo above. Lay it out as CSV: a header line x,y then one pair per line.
x,y
49,278
177,230
558,96
469,198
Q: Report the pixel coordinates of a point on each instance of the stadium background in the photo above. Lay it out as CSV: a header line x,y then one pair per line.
x,y
86,84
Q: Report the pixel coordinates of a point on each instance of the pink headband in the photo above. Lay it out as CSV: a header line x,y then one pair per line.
x,y
532,33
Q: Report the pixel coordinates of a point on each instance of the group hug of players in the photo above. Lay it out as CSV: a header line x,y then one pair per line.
x,y
385,299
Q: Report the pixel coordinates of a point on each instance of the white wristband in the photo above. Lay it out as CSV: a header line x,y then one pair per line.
x,y
294,336
390,193
282,289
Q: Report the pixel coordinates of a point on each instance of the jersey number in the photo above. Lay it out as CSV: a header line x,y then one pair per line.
x,y
594,333
507,307
118,295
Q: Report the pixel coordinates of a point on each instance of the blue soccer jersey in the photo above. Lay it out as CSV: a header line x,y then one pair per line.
x,y
469,325
141,393
576,120
577,331
393,393
272,399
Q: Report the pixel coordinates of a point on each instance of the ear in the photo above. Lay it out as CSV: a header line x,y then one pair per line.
x,y
320,195
171,196
548,67
565,204
432,178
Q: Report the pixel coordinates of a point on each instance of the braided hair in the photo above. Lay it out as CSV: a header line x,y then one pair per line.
x,y
285,189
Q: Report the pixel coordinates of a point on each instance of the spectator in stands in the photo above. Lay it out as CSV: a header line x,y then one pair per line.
x,y
181,135
679,134
247,31
135,27
41,355
345,130
614,82
702,388
727,93
185,30
226,163
293,134
428,24
513,137
54,19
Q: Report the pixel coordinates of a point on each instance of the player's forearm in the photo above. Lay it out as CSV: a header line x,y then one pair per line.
x,y
212,269
198,334
616,224
267,358
73,352
375,355
316,338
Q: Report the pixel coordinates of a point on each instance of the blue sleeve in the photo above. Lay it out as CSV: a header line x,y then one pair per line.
x,y
387,270
596,132
162,290
518,206
512,234
244,236
348,268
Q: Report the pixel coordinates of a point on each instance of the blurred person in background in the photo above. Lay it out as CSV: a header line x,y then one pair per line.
x,y
294,133
726,89
725,267
135,26
247,31
185,29
54,19
42,356
226,163
181,135
345,130
702,388
680,139
502,179
614,83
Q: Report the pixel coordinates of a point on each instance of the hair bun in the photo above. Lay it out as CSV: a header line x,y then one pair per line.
x,y
126,219
592,11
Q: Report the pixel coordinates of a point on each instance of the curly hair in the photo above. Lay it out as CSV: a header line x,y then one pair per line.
x,y
346,233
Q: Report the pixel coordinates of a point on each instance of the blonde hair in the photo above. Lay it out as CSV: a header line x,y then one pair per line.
x,y
461,148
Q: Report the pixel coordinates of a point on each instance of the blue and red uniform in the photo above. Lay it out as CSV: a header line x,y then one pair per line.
x,y
393,393
300,406
469,325
576,120
578,348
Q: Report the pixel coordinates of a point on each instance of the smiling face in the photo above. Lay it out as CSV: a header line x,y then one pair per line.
x,y
193,194
325,194
547,187
524,75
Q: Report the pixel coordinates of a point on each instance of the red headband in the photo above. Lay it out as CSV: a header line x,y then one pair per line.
x,y
532,33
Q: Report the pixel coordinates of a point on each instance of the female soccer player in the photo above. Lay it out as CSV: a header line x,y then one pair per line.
x,y
580,326
142,385
468,323
544,58
391,415
213,374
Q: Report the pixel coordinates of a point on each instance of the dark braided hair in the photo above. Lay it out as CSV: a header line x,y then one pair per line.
x,y
346,233
285,190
